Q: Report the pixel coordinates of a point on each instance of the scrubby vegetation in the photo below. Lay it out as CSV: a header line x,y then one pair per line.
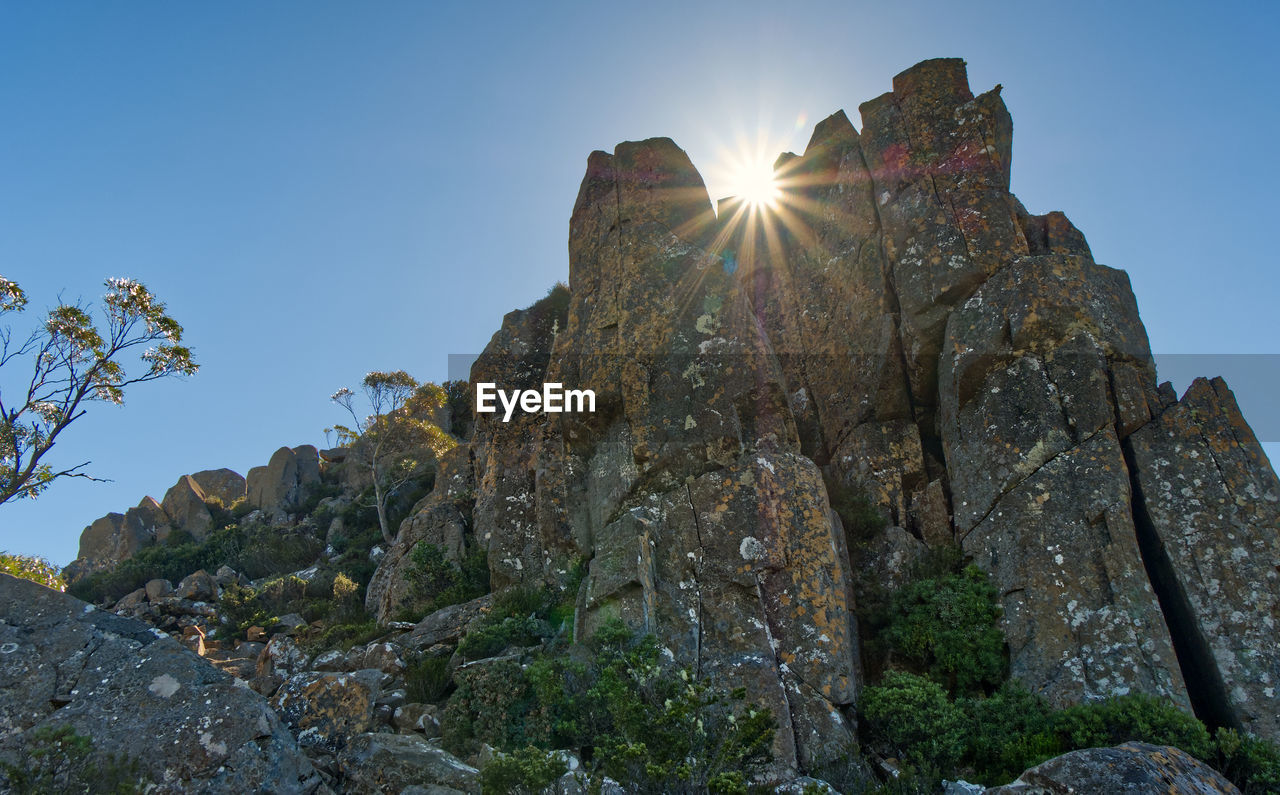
x,y
436,582
57,760
254,549
944,708
613,701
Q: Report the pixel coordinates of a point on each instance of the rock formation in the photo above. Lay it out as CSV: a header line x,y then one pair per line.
x,y
901,328
276,489
793,405
285,482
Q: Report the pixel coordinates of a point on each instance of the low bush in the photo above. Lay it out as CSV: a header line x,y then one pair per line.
x,y
436,582
911,718
953,714
344,636
520,616
1008,732
427,680
1136,716
54,759
525,771
631,717
1252,764
948,627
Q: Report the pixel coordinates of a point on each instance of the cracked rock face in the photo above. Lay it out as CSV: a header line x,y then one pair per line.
x,y
913,334
133,691
1213,513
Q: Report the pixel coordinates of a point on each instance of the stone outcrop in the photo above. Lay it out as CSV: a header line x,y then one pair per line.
x,y
325,710
184,504
285,482
223,485
277,489
792,407
901,329
375,763
132,691
1210,524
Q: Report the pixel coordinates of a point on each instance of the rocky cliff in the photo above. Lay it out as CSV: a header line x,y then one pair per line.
x,y
901,327
793,403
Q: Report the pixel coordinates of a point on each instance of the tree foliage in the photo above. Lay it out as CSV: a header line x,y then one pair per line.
x,y
400,439
32,568
48,377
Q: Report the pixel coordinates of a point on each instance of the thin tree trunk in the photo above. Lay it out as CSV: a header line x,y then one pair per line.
x,y
381,499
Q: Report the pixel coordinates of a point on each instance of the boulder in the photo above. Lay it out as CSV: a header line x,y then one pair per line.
x,y
380,657
376,763
224,485
326,710
285,482
184,505
332,660
274,488
446,625
308,458
225,575
283,657
131,600
199,586
1128,768
1040,486
132,690
158,589
118,537
414,717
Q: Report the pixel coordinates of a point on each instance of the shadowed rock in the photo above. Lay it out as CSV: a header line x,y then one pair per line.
x,y
133,691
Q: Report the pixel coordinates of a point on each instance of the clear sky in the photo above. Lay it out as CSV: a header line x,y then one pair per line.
x,y
318,189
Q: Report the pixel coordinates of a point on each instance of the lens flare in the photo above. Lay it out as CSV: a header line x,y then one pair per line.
x,y
754,182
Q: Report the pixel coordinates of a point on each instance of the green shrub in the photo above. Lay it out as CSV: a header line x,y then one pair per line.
x,y
949,627
36,569
255,550
1008,732
436,582
526,771
493,704
345,636
518,617
427,681
911,718
1136,716
245,606
663,730
490,638
57,760
636,720
1252,764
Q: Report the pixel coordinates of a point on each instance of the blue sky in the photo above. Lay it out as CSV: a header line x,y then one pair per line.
x,y
320,189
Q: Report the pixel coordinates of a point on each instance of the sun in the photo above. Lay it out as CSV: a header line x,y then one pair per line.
x,y
754,182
